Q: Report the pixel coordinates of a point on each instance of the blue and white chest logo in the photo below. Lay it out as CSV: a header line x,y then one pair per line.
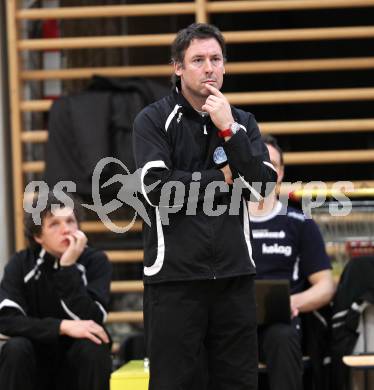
x,y
219,156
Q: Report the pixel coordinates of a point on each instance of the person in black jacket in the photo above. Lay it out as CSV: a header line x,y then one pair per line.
x,y
199,158
53,301
354,294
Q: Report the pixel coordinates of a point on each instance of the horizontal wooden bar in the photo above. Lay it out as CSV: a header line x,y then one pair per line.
x,y
353,218
96,42
285,5
184,8
126,286
267,97
33,166
284,66
322,126
330,184
329,157
333,192
125,316
34,136
310,65
286,187
99,227
275,128
290,158
106,11
359,361
125,256
304,34
301,96
36,105
84,73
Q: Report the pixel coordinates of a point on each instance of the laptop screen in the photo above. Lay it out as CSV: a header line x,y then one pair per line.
x,y
272,301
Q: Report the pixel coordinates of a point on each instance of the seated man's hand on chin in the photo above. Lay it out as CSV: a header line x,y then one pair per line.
x,y
77,243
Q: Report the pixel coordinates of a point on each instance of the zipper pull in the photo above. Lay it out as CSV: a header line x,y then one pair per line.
x,y
55,265
205,132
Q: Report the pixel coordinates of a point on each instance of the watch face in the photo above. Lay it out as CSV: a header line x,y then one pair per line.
x,y
235,127
219,156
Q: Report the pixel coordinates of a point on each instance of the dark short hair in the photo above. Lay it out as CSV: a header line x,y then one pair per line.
x,y
194,31
32,228
270,140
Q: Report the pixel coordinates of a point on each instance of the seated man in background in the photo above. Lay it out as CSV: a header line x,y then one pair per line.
x,y
287,245
53,300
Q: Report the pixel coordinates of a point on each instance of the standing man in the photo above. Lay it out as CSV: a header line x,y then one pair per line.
x,y
288,245
53,301
198,265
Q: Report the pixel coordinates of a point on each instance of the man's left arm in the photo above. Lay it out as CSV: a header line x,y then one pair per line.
x,y
319,294
315,265
84,286
246,153
249,159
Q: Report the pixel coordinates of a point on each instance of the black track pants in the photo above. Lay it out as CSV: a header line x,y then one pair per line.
x,y
73,364
280,349
212,318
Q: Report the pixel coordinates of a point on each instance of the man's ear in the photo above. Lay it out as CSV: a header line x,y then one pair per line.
x,y
37,239
178,66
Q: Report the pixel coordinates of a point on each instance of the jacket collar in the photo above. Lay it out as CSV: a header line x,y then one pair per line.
x,y
183,102
188,110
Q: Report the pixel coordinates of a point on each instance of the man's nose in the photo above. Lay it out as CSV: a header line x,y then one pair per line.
x,y
208,67
65,228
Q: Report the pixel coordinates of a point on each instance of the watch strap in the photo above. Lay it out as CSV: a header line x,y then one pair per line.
x,y
225,133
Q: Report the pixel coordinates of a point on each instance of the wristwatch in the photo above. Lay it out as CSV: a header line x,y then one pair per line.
x,y
233,129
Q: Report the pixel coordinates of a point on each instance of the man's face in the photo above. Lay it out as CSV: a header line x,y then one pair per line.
x,y
276,161
203,64
56,228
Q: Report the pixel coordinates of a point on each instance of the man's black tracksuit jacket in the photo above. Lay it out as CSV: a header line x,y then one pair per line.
x,y
173,142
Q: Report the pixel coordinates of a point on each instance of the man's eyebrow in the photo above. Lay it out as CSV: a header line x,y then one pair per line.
x,y
210,56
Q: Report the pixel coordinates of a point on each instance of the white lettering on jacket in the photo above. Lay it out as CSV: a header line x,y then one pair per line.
x,y
266,234
285,250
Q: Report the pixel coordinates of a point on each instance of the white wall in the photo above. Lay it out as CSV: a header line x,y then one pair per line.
x,y
5,185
